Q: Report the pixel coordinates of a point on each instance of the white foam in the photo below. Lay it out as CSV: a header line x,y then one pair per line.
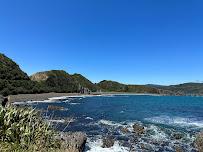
x,y
57,121
109,123
96,146
157,134
181,121
89,118
74,103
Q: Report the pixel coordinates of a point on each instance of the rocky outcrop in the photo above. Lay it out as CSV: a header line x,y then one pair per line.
x,y
108,142
1,99
177,136
124,130
73,142
138,129
199,142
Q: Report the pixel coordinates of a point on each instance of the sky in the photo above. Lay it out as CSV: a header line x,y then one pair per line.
x,y
130,41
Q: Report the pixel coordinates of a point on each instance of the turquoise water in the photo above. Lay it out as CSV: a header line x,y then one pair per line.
x,y
162,116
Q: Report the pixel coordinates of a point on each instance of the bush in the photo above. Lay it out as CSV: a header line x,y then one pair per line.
x,y
23,129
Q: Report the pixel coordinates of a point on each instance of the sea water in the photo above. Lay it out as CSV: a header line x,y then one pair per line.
x,y
102,116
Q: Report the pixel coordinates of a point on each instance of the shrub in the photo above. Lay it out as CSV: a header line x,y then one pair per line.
x,y
23,129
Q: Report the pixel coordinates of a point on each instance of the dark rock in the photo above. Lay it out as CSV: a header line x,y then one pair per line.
x,y
138,129
124,130
51,107
179,149
177,136
73,142
1,99
199,142
146,147
108,142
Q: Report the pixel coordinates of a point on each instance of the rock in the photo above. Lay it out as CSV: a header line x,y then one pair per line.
x,y
177,136
73,142
146,147
108,142
179,149
51,107
1,99
199,142
138,129
124,130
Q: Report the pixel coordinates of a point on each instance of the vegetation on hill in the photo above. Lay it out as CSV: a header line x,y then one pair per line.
x,y
55,81
12,79
184,89
118,87
84,82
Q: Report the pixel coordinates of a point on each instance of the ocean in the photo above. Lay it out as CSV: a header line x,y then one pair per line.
x,y
170,122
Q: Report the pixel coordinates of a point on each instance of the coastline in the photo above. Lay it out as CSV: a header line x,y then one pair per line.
x,y
52,95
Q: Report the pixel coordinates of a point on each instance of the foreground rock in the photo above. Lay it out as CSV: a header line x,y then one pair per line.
x,y
1,99
138,129
199,142
108,142
73,142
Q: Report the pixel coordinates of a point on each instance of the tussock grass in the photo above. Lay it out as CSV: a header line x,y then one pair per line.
x,y
23,129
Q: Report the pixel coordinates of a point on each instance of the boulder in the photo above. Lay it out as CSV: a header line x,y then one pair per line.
x,y
73,142
179,149
108,142
177,136
1,99
138,129
124,130
51,107
199,142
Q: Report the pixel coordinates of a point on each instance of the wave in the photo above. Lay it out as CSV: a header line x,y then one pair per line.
x,y
96,146
180,121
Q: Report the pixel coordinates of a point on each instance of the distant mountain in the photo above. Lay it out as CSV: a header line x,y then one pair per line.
x,y
119,87
184,89
12,79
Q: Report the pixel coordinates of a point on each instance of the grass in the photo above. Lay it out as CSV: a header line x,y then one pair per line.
x,y
23,129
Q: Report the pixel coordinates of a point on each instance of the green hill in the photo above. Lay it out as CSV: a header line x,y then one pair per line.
x,y
118,87
12,79
84,82
56,81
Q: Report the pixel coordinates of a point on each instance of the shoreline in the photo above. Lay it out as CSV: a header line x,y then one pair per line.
x,y
52,96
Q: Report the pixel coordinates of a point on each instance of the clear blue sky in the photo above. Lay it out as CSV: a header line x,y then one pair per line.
x,y
131,41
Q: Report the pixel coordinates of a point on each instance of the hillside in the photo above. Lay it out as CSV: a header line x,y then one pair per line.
x,y
84,82
184,89
56,81
12,79
118,87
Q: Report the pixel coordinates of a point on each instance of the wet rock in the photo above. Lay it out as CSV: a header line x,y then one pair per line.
x,y
179,149
138,129
146,147
124,130
108,142
199,142
73,142
177,136
51,107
